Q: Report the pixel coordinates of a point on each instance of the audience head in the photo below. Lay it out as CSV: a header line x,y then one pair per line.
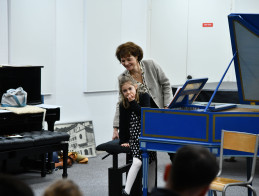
x,y
10,185
63,187
129,49
193,169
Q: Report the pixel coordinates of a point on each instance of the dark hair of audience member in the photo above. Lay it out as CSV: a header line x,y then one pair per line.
x,y
10,185
193,167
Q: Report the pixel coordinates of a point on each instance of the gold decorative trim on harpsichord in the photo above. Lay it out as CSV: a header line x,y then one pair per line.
x,y
177,113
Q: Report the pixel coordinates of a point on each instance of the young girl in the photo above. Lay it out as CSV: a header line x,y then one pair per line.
x,y
130,126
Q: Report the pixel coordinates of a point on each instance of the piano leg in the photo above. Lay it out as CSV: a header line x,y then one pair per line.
x,y
145,171
43,165
65,157
51,124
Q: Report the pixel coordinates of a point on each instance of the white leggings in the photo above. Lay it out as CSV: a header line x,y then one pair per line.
x,y
133,171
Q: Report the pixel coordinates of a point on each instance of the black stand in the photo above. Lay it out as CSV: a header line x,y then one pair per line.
x,y
115,173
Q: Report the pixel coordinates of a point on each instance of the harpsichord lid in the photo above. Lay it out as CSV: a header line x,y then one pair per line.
x,y
244,32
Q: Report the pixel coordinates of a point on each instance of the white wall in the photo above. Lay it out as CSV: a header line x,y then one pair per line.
x,y
103,35
108,24
134,22
56,34
70,77
32,36
68,43
168,37
209,48
183,46
3,32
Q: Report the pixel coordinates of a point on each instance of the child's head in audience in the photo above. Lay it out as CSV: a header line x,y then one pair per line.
x,y
192,171
10,185
63,187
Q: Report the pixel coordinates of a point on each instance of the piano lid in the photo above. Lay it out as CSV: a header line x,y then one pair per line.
x,y
244,32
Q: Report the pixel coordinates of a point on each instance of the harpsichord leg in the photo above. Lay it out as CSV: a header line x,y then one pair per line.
x,y
145,171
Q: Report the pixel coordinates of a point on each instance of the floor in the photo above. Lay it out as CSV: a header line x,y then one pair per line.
x,y
92,178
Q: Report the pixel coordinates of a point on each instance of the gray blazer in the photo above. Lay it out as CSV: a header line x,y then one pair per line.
x,y
157,83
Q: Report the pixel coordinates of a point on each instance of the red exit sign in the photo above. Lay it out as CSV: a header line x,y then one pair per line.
x,y
207,24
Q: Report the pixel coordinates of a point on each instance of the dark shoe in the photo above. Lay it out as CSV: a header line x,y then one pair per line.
x,y
231,159
124,193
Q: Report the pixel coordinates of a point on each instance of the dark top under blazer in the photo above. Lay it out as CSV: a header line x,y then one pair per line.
x,y
144,101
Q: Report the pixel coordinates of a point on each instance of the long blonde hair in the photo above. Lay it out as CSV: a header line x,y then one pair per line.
x,y
126,79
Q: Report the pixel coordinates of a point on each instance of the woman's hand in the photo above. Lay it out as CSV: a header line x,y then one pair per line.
x,y
125,144
115,134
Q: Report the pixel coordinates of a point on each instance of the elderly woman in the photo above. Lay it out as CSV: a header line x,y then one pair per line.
x,y
148,75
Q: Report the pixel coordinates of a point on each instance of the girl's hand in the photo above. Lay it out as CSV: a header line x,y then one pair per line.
x,y
125,144
131,97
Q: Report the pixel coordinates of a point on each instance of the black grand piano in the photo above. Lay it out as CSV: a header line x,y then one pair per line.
x,y
187,122
28,77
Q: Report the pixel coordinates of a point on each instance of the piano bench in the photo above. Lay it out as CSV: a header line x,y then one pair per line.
x,y
35,142
115,173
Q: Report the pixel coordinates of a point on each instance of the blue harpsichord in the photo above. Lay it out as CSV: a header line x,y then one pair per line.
x,y
187,122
